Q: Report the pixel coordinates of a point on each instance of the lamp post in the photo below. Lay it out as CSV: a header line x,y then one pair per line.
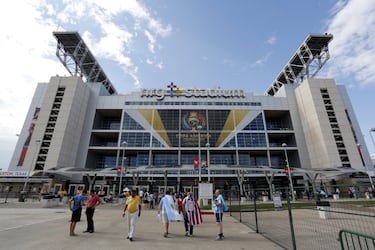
x,y
284,145
123,144
372,138
23,192
365,165
373,142
208,162
199,127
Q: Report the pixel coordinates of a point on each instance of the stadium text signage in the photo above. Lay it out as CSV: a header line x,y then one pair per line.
x,y
13,173
174,91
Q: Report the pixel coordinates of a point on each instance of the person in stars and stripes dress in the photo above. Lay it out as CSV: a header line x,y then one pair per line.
x,y
192,214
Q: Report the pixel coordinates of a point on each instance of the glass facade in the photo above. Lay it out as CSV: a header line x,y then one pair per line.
x,y
175,137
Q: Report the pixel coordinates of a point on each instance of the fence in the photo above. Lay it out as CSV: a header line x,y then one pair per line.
x,y
304,223
31,196
353,240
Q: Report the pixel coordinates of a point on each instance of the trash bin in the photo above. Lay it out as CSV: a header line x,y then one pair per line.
x,y
22,196
65,199
323,209
47,201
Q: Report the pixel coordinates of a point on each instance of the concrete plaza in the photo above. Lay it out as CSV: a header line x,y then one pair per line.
x,y
29,226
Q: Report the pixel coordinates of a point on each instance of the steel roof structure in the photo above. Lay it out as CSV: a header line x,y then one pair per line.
x,y
305,63
78,59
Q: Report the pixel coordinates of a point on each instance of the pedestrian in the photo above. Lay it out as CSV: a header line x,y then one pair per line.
x,y
151,200
133,206
354,192
167,211
219,210
179,203
192,214
92,203
75,205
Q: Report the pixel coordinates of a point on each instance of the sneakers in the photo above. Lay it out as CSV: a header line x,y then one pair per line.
x,y
186,233
131,239
219,237
165,235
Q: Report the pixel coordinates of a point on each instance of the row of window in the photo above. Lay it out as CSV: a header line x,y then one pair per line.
x,y
48,133
335,128
186,140
142,159
195,103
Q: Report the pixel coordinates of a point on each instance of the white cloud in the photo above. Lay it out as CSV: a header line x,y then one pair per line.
x,y
152,40
352,49
28,48
28,58
160,65
262,60
272,40
115,24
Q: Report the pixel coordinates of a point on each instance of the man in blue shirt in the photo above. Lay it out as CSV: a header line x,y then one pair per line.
x,y
75,205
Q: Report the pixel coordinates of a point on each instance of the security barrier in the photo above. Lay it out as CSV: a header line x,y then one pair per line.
x,y
308,222
355,240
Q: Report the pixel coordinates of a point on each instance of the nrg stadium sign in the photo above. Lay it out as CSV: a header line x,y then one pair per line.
x,y
173,90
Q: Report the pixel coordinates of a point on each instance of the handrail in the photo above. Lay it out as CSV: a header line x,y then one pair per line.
x,y
355,240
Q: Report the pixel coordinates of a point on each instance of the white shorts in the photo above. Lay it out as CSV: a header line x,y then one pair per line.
x,y
164,218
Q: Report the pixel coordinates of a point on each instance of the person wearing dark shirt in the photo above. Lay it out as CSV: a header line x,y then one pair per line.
x,y
92,203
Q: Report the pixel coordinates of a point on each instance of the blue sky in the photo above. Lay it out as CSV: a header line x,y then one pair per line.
x,y
206,43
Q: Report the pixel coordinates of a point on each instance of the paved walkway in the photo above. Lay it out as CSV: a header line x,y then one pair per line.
x,y
28,226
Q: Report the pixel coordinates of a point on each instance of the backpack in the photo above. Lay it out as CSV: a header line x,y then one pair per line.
x,y
225,207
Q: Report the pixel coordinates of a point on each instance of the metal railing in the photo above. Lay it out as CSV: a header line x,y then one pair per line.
x,y
304,223
355,240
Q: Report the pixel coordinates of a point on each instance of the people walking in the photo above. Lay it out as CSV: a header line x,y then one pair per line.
x,y
219,210
133,206
92,203
167,211
192,214
75,205
179,203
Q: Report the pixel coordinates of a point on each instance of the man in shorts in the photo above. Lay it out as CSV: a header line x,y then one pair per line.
x,y
218,209
166,211
75,205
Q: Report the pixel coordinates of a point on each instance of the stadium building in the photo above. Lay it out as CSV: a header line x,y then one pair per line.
x,y
79,131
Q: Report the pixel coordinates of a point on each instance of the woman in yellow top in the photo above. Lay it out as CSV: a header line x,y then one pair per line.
x,y
133,206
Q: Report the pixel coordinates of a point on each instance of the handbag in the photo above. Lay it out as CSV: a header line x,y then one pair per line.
x,y
225,207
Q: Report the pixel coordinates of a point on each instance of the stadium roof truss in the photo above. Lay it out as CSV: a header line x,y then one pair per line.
x,y
305,63
79,61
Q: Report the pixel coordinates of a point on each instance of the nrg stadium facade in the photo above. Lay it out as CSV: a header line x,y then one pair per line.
x,y
79,131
